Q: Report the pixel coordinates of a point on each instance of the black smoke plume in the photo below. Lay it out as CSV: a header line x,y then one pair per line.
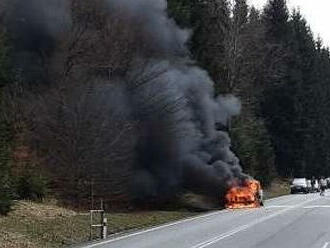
x,y
34,27
178,144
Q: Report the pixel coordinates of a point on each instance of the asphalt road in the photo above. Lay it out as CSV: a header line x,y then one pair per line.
x,y
293,221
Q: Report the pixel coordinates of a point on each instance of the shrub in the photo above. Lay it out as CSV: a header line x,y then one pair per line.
x,y
5,203
5,195
31,187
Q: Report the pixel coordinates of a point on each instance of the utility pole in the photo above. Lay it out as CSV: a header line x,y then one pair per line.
x,y
92,193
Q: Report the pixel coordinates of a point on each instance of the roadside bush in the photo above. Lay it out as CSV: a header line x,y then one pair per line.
x,y
5,165
5,195
5,203
32,187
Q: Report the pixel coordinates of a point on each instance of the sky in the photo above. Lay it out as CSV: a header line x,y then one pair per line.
x,y
316,13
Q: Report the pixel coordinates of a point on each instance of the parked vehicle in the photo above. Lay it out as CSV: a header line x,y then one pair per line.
x,y
299,185
328,182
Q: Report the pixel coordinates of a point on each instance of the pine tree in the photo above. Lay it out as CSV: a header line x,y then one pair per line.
x,y
275,17
235,45
301,80
182,11
5,182
211,23
277,102
251,139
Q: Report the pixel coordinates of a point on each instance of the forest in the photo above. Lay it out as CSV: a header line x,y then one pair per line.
x,y
139,102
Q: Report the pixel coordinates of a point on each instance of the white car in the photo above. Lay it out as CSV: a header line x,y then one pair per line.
x,y
299,185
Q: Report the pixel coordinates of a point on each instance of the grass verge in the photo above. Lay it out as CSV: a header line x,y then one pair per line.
x,y
278,188
33,225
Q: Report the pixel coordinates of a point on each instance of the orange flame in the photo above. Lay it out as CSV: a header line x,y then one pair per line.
x,y
246,196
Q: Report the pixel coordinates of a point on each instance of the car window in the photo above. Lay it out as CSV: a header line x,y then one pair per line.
x,y
299,181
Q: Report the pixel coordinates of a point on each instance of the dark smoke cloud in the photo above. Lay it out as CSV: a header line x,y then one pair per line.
x,y
179,145
193,154
184,147
151,15
34,26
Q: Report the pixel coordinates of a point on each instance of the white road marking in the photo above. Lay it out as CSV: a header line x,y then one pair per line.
x,y
317,206
325,245
307,207
278,206
245,227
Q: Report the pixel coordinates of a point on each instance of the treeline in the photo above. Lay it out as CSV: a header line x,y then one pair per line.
x,y
101,99
270,59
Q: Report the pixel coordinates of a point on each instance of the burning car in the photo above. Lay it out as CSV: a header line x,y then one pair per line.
x,y
247,195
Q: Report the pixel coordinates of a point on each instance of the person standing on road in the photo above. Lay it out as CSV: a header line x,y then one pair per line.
x,y
323,184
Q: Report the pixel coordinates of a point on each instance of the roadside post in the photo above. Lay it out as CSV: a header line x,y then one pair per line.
x,y
104,228
102,222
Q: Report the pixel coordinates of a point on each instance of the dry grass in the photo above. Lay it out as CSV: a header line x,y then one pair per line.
x,y
33,225
25,209
14,240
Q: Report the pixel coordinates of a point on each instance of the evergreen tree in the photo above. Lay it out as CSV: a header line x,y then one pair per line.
x,y
277,102
211,23
300,82
250,136
235,47
5,182
275,18
182,11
